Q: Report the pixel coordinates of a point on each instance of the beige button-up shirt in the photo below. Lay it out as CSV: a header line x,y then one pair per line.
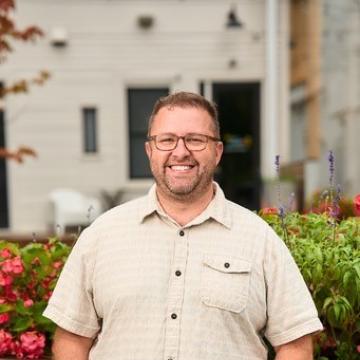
x,y
149,289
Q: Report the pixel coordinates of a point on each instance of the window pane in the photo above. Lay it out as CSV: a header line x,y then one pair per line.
x,y
89,122
140,102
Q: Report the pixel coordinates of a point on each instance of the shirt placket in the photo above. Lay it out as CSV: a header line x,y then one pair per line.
x,y
176,296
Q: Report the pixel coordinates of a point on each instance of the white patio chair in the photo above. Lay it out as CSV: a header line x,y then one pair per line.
x,y
71,209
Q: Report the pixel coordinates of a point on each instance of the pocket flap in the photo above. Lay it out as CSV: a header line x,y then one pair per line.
x,y
227,264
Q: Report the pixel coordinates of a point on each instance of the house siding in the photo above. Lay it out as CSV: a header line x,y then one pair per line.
x,y
106,54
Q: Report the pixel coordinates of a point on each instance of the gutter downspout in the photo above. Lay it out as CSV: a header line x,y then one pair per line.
x,y
271,116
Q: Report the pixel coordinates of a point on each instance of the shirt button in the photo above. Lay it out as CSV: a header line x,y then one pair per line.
x,y
181,232
173,316
177,272
227,265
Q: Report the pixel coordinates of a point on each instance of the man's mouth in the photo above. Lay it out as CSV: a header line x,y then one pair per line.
x,y
181,167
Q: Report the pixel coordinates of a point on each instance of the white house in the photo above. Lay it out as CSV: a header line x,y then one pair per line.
x,y
109,61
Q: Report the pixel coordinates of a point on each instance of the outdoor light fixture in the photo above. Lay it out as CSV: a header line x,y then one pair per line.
x,y
232,19
145,21
58,37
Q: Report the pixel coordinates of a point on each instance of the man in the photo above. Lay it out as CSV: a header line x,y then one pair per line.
x,y
181,273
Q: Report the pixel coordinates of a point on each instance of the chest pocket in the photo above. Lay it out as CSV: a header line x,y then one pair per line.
x,y
225,282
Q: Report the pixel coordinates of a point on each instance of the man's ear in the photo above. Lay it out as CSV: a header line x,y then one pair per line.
x,y
148,149
219,151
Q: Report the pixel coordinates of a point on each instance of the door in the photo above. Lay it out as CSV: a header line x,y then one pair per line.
x,y
4,215
239,116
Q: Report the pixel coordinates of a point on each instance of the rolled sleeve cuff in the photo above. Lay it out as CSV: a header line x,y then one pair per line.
x,y
312,326
71,325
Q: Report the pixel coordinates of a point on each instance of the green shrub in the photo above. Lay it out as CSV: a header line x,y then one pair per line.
x,y
328,255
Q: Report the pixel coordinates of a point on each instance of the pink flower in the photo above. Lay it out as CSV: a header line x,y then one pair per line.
x,y
5,279
358,348
2,301
5,342
28,303
4,318
14,266
32,344
57,264
357,205
5,253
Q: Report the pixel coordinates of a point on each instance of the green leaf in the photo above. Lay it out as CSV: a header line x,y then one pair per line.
x,y
21,309
22,323
327,302
13,247
5,308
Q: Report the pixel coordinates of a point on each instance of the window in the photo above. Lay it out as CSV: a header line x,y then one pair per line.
x,y
4,206
89,116
140,105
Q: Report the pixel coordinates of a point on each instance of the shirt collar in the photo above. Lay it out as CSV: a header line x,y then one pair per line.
x,y
218,208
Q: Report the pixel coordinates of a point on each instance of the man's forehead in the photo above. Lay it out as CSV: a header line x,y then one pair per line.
x,y
182,114
182,120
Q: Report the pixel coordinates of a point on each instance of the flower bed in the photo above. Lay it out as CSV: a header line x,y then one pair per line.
x,y
326,250
27,277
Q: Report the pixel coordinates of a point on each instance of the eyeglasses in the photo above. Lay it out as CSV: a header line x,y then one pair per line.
x,y
193,142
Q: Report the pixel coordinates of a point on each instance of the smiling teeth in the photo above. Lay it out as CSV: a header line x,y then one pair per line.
x,y
180,167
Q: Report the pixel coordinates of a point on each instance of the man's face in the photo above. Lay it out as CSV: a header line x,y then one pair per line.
x,y
182,173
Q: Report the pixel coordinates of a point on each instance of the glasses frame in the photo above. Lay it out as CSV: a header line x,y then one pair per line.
x,y
208,137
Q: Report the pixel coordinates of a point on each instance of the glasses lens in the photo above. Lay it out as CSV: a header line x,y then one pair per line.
x,y
166,141
195,141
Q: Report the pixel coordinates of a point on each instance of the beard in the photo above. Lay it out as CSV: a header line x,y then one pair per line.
x,y
184,187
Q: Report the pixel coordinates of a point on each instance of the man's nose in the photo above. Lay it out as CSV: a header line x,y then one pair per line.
x,y
181,149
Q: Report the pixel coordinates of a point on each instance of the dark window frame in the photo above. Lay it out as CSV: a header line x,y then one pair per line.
x,y
90,129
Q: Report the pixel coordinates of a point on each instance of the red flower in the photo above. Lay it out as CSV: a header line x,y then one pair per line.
x,y
357,205
5,253
32,344
269,211
5,279
14,266
47,296
5,342
10,295
4,318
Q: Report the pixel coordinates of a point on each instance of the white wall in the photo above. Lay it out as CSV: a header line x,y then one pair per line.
x,y
107,53
341,93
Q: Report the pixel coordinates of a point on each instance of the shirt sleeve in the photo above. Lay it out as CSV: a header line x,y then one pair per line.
x,y
71,305
291,311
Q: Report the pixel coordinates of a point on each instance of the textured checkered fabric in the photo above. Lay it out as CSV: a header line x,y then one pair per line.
x,y
148,289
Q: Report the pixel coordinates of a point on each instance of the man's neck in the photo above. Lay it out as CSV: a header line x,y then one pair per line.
x,y
183,210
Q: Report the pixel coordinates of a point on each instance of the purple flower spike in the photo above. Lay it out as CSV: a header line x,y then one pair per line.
x,y
331,159
282,212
